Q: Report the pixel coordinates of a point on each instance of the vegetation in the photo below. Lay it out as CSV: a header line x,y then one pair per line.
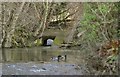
x,y
90,27
101,36
23,23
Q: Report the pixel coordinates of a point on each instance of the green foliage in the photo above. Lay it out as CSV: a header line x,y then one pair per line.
x,y
58,41
99,21
38,42
112,58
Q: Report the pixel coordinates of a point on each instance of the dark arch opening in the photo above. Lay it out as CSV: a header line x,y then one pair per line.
x,y
45,38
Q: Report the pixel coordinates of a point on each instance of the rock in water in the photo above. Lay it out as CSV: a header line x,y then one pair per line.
x,y
49,42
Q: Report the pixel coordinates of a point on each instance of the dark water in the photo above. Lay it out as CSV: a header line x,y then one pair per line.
x,y
37,61
38,54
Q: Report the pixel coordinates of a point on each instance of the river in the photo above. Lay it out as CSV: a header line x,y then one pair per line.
x,y
38,61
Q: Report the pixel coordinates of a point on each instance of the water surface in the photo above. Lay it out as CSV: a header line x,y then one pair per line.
x,y
37,61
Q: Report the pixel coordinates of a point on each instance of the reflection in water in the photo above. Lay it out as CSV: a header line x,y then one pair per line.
x,y
3,54
44,54
37,54
0,55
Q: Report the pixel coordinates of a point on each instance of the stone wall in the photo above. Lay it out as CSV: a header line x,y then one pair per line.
x,y
59,35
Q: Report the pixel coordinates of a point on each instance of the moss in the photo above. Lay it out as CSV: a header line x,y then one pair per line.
x,y
38,42
58,41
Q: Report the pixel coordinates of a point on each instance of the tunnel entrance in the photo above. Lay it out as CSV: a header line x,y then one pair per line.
x,y
45,38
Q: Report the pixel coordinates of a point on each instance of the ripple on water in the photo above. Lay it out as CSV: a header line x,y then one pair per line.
x,y
41,69
13,66
37,70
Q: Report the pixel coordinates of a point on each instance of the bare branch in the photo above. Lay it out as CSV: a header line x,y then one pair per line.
x,y
95,13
